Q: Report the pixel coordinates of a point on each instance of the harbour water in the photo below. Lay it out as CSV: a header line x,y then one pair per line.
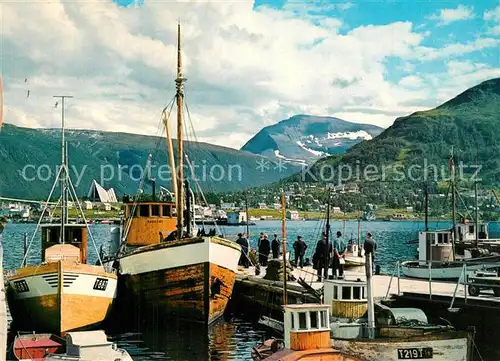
x,y
233,339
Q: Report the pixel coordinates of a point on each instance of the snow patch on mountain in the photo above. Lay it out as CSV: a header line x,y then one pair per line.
x,y
350,135
312,151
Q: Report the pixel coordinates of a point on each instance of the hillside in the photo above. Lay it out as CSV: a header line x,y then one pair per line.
x,y
117,160
469,122
306,138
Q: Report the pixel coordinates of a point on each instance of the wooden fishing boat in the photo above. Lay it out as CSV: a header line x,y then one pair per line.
x,y
388,333
76,346
357,330
436,259
165,264
62,292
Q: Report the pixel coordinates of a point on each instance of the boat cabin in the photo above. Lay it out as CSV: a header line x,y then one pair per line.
x,y
307,326
466,230
436,246
348,299
355,249
72,247
151,223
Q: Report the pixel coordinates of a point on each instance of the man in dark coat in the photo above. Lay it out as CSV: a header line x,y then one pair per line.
x,y
370,246
264,250
275,245
243,242
300,250
322,257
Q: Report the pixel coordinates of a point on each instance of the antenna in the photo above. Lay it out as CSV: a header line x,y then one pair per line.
x,y
64,173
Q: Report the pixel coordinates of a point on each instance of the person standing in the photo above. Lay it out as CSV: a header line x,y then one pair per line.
x,y
322,257
264,250
243,242
338,256
370,246
299,248
275,246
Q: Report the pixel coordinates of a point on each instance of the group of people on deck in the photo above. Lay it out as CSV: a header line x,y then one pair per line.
x,y
327,254
265,247
332,254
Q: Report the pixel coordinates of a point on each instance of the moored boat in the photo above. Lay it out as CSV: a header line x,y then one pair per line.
x,y
76,346
358,330
164,263
436,258
61,292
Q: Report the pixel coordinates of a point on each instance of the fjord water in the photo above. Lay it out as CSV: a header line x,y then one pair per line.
x,y
233,340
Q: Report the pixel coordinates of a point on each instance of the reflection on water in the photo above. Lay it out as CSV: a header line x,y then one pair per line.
x,y
225,341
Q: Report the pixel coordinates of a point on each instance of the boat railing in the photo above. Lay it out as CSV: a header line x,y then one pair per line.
x,y
397,273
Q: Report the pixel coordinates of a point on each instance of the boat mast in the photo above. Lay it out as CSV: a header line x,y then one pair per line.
x,y
327,235
283,242
454,200
476,206
426,205
64,174
180,147
246,211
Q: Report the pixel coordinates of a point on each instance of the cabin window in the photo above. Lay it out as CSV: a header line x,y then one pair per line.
x,y
136,211
167,211
440,238
346,293
364,292
356,293
293,320
314,319
302,321
445,238
155,210
471,229
324,319
144,212
335,293
430,237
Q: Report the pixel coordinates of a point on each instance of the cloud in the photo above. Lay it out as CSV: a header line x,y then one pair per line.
x,y
448,16
246,67
492,15
411,81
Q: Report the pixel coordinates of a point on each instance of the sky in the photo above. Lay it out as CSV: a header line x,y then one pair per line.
x,y
248,64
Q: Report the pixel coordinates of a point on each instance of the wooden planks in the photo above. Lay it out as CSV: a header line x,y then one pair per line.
x,y
197,292
309,340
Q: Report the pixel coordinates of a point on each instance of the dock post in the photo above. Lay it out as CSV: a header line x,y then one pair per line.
x,y
25,259
466,281
399,276
369,290
430,280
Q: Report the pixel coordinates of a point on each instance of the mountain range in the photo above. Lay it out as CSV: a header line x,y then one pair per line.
x,y
468,124
303,139
29,159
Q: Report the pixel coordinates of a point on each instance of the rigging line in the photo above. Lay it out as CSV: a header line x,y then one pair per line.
x,y
72,189
161,127
196,143
41,216
465,206
217,229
